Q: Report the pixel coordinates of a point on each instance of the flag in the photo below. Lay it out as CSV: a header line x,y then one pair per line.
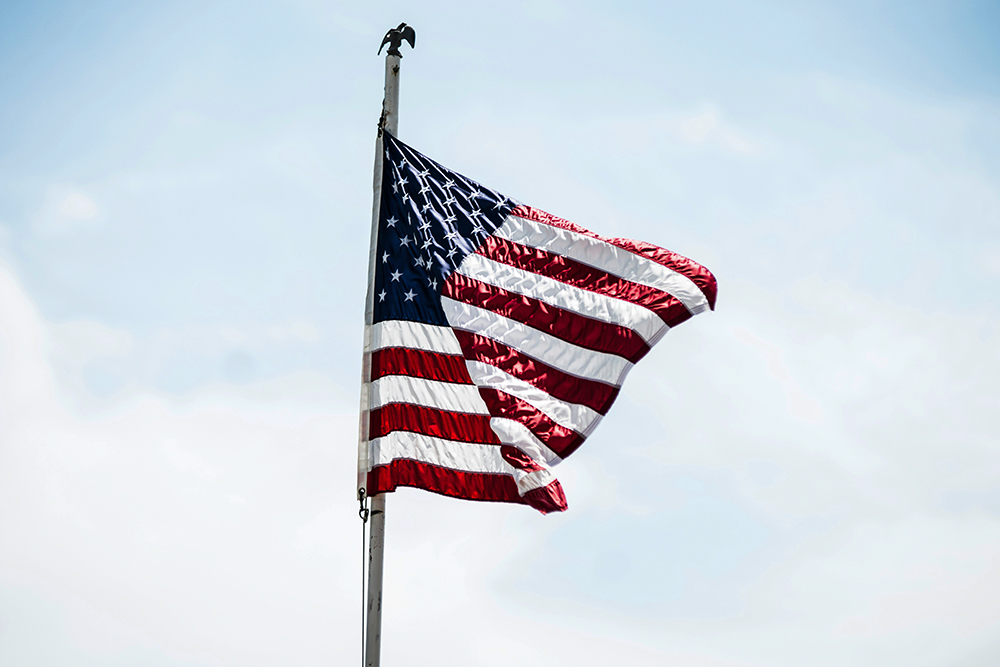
x,y
500,335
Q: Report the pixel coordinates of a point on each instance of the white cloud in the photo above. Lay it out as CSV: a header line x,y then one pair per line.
x,y
219,525
172,518
989,261
707,127
77,206
66,207
304,332
805,477
80,342
831,422
188,461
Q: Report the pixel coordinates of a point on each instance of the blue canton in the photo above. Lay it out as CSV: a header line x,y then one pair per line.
x,y
430,218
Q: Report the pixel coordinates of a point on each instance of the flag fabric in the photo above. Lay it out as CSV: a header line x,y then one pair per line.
x,y
500,335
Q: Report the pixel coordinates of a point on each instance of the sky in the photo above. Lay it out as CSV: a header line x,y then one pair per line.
x,y
808,476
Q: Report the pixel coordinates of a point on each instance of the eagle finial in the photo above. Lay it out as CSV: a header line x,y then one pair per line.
x,y
395,37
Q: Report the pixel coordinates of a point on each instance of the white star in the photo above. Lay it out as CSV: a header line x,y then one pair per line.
x,y
452,235
392,221
409,295
396,275
385,258
404,241
475,194
452,251
449,201
424,226
381,295
420,261
427,244
426,207
448,184
403,181
423,174
478,228
426,188
500,204
476,213
406,197
434,283
395,187
401,164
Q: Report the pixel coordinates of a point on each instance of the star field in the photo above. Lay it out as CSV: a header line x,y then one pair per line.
x,y
430,218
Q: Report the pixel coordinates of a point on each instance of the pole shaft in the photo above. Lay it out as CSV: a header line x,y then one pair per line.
x,y
391,103
376,549
376,544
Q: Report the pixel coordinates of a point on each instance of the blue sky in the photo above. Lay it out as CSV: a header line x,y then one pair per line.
x,y
806,476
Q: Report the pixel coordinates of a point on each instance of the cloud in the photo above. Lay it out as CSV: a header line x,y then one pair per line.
x,y
218,528
304,332
706,127
175,519
188,461
66,207
807,476
77,206
989,261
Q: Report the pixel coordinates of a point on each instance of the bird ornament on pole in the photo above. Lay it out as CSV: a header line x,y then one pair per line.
x,y
394,38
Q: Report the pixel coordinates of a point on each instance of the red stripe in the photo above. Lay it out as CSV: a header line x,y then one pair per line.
x,y
519,459
597,396
571,327
558,438
419,363
701,276
547,499
578,274
459,484
429,421
456,483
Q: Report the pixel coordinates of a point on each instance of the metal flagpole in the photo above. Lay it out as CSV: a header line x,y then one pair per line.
x,y
376,544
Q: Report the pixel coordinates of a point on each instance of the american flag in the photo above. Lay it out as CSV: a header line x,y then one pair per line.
x,y
499,335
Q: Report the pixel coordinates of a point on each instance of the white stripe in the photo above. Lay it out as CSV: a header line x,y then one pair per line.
x,y
589,304
417,335
532,480
604,256
454,455
429,393
573,416
465,456
516,434
572,359
365,409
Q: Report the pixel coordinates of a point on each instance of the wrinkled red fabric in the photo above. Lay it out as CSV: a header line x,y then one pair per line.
x,y
548,498
419,363
586,277
597,396
433,422
564,324
698,274
459,484
559,439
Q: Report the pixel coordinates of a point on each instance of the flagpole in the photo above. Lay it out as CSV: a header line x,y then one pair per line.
x,y
376,540
376,545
